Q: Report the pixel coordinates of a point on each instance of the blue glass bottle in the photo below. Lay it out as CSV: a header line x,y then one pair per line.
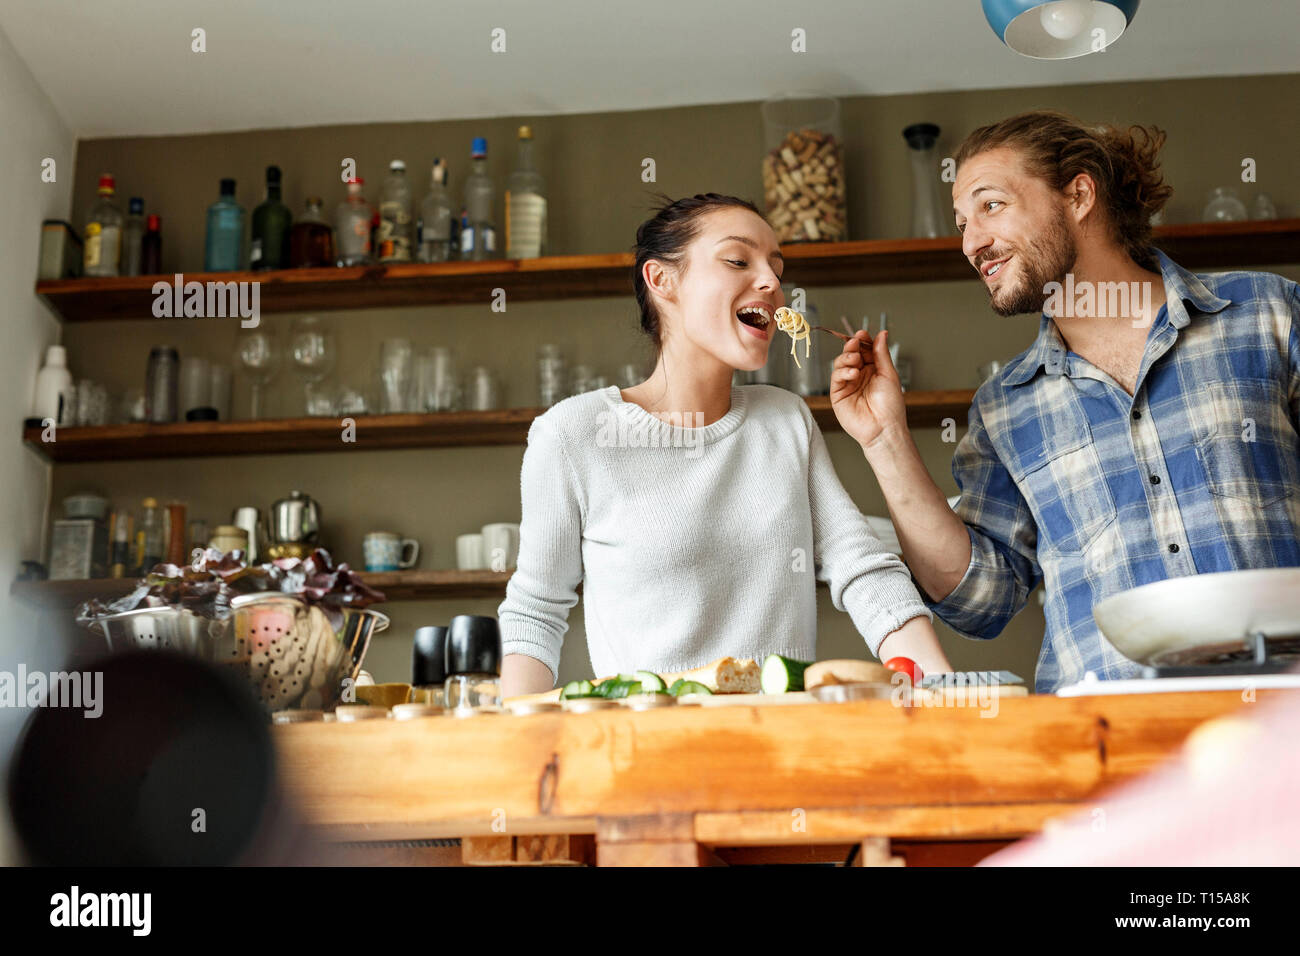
x,y
224,250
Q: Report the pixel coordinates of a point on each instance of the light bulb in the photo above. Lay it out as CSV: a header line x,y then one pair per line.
x,y
1065,19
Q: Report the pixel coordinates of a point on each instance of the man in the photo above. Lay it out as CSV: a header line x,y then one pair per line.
x,y
1150,431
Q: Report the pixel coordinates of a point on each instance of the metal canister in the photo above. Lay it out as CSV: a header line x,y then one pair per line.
x,y
162,381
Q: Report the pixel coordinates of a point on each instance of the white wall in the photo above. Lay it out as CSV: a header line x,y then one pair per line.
x,y
30,130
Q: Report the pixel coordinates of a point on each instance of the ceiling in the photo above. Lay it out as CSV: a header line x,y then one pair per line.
x,y
125,67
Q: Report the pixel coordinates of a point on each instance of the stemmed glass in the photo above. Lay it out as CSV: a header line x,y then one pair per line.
x,y
258,355
313,352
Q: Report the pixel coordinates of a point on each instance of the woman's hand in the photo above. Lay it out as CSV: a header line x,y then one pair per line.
x,y
865,392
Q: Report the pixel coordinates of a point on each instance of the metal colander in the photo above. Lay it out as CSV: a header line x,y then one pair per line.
x,y
283,646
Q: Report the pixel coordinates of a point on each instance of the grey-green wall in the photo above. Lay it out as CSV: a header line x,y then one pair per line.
x,y
592,164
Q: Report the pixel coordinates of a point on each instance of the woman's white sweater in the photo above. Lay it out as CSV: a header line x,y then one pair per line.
x,y
691,543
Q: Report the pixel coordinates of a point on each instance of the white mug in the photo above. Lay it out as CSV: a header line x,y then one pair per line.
x,y
501,546
469,552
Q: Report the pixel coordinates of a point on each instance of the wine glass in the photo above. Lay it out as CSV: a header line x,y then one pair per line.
x,y
313,352
258,354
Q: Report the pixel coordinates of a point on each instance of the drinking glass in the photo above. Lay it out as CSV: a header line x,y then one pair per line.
x,y
483,392
437,388
313,352
552,384
395,378
258,354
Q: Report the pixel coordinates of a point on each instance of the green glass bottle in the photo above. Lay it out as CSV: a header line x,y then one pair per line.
x,y
271,225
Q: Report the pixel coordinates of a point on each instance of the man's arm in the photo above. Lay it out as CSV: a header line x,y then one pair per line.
x,y
868,401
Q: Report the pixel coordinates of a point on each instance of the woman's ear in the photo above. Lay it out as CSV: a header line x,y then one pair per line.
x,y
659,279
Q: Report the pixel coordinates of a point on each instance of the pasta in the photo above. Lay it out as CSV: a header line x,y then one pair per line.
x,y
793,324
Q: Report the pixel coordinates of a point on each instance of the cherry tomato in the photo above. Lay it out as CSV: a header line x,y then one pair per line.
x,y
907,666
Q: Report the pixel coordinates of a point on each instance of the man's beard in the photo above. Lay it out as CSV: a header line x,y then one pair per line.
x,y
1043,260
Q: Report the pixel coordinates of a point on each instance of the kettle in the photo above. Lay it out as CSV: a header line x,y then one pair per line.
x,y
295,520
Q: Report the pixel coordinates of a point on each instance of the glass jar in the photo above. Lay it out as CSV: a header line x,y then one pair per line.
x,y
465,694
803,171
1224,206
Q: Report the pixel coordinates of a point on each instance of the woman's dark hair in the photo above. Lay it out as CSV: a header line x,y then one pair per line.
x,y
665,237
1124,163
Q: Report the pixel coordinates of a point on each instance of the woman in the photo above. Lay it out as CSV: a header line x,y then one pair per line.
x,y
696,516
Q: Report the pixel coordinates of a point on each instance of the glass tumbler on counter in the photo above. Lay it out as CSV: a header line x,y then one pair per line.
x,y
803,171
552,380
395,376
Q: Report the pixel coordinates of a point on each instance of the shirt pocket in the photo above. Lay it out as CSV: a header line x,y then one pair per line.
x,y
1246,443
1065,486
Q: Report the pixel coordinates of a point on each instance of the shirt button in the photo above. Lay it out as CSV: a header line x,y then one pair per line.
x,y
1155,479
1173,549
1136,415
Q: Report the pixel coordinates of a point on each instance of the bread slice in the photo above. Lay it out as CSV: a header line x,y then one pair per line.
x,y
726,675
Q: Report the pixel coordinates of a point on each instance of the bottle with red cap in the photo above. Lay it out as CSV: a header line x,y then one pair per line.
x,y
151,247
103,248
352,227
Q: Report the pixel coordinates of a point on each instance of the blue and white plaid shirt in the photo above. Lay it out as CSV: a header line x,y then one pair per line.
x,y
1068,480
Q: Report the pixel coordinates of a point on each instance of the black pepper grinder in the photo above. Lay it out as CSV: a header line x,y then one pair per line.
x,y
429,665
473,665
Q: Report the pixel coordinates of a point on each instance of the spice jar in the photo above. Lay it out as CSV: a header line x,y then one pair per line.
x,y
803,171
429,665
473,665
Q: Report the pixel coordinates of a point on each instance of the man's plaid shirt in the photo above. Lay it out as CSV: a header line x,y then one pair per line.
x,y
1067,480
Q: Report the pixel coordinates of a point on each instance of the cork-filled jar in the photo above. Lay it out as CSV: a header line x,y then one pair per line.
x,y
803,170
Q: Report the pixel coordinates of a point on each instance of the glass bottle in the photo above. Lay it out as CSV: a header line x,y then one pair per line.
x,y
223,251
525,204
435,217
272,221
149,537
394,244
132,237
928,222
103,246
352,226
151,247
478,241
311,239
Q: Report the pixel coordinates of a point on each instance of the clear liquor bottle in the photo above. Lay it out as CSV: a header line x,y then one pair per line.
x,y
132,237
103,247
478,241
525,204
311,240
272,221
224,249
394,243
352,227
435,217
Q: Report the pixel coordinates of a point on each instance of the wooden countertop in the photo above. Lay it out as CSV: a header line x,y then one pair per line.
x,y
735,776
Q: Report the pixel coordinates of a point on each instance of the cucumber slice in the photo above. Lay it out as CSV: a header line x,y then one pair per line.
x,y
650,682
783,674
577,688
690,687
621,688
677,686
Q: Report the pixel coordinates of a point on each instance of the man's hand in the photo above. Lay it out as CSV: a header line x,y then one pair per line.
x,y
865,392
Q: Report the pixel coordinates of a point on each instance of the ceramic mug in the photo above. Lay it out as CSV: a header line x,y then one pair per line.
x,y
385,551
501,546
469,552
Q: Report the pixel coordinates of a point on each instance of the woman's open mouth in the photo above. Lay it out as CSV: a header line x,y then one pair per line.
x,y
757,319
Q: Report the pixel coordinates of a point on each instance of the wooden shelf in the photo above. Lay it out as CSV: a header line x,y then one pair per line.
x,y
396,585
861,262
373,432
